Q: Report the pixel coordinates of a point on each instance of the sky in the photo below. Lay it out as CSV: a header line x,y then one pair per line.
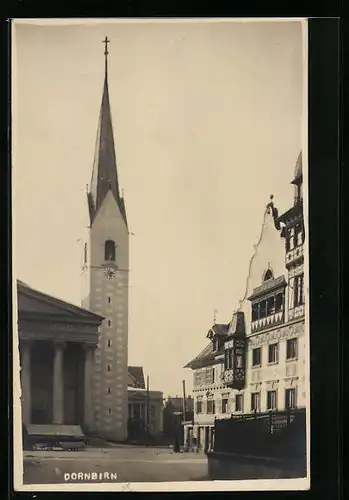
x,y
207,121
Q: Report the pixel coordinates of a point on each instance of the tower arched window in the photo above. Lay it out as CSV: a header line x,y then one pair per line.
x,y
109,250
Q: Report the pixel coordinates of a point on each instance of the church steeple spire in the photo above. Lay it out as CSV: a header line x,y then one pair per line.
x,y
104,174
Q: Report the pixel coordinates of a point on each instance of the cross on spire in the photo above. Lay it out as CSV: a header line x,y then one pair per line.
x,y
106,41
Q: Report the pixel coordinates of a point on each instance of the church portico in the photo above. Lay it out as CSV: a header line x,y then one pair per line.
x,y
56,382
56,354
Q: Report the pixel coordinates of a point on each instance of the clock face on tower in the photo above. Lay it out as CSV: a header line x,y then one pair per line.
x,y
109,272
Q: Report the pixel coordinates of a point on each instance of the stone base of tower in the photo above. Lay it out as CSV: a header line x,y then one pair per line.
x,y
117,435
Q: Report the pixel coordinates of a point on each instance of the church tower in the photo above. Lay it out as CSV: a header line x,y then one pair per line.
x,y
106,277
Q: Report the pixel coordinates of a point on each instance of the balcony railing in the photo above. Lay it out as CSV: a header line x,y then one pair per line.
x,y
234,377
267,322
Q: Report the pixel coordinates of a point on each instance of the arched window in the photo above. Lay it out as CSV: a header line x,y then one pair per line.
x,y
109,250
268,275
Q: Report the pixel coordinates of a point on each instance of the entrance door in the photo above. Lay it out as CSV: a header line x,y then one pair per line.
x,y
41,406
70,407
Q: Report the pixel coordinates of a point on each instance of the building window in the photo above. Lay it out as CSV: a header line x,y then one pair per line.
x,y
279,301
273,353
298,290
109,410
109,250
109,322
109,390
109,299
228,359
109,343
239,359
109,368
255,312
239,402
256,356
263,309
270,306
291,349
210,406
255,401
290,398
271,400
199,405
224,404
298,235
85,254
292,238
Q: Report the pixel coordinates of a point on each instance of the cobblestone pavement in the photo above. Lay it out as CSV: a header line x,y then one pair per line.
x,y
119,463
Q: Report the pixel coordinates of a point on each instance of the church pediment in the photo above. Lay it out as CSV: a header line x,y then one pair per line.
x,y
33,302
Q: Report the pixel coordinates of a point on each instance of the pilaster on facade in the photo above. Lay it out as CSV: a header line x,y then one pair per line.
x,y
58,383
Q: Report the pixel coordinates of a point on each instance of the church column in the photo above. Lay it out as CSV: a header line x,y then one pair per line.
x,y
58,383
88,402
26,380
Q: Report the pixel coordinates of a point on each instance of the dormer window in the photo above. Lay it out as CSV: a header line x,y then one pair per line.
x,y
267,302
109,250
268,275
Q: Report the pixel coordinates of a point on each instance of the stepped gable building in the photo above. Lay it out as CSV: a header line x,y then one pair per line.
x,y
257,362
56,345
105,278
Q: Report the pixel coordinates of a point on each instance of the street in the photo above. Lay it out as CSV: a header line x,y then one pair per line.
x,y
113,464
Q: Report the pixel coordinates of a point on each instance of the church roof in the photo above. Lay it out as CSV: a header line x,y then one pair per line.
x,y
104,173
34,302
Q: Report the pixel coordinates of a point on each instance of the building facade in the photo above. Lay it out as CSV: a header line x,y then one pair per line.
x,y
56,345
145,407
257,362
105,269
174,417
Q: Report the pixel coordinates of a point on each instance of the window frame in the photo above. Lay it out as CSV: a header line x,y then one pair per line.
x,y
276,360
212,410
225,403
239,397
198,405
270,401
288,343
257,365
255,395
290,390
109,250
